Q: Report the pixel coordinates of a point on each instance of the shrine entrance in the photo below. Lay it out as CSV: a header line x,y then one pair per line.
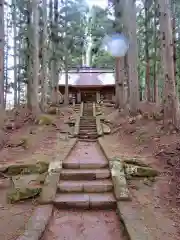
x,y
88,96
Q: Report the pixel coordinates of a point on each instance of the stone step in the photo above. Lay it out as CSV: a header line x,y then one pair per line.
x,y
87,126
88,134
82,124
92,129
89,131
88,120
83,136
84,164
87,140
85,200
96,186
85,174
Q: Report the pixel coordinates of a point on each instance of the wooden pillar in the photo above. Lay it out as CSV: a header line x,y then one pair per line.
x,y
98,96
78,97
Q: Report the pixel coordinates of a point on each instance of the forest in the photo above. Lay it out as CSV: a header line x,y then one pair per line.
x,y
124,151
39,39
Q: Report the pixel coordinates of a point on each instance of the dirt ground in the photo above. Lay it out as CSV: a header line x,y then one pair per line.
x,y
145,139
39,144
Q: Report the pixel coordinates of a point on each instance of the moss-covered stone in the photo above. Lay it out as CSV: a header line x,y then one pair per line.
x,y
119,181
39,167
26,186
23,181
134,161
18,194
44,120
139,171
106,129
149,181
52,110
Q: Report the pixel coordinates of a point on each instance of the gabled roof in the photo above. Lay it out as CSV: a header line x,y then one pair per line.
x,y
89,79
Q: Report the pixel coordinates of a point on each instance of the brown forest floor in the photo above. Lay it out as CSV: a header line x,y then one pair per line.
x,y
145,139
142,138
40,142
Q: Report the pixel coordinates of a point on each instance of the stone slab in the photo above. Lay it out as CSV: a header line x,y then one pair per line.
x,y
102,200
84,174
49,189
140,171
38,167
70,186
37,223
106,129
93,186
118,176
71,200
119,181
99,126
97,186
92,164
85,200
25,186
134,222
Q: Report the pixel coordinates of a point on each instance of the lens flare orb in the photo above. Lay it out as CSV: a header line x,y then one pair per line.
x,y
117,45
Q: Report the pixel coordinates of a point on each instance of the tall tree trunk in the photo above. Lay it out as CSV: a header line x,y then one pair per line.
x,y
29,56
155,79
119,62
15,50
6,63
35,85
66,95
174,35
170,101
148,87
1,54
44,58
117,80
130,11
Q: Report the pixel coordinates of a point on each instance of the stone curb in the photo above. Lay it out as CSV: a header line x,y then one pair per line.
x,y
94,109
49,189
133,223
81,109
37,223
118,177
76,127
78,118
99,126
98,122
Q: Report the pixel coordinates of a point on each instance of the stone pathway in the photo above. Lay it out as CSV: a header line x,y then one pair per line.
x,y
85,184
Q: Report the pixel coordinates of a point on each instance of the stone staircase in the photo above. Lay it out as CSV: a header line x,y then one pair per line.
x,y
77,108
85,184
87,129
85,179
